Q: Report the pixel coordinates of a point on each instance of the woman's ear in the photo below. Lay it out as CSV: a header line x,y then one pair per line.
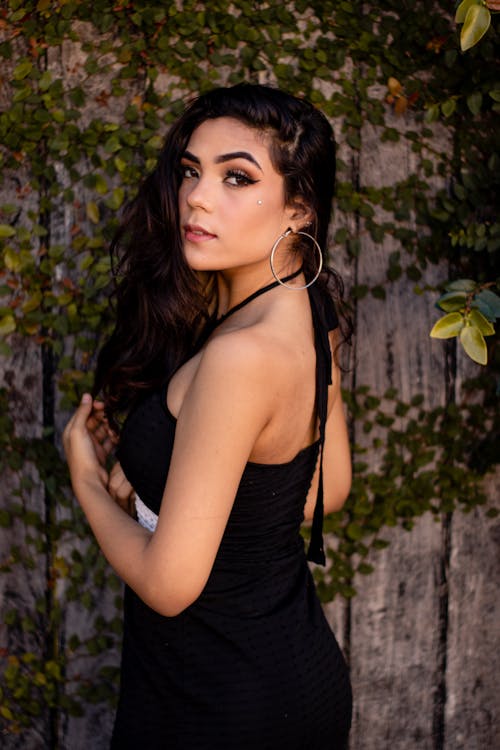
x,y
300,214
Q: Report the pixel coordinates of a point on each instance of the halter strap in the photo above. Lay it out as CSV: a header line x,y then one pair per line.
x,y
324,320
253,296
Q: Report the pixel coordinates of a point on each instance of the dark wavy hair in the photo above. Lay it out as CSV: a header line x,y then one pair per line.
x,y
161,303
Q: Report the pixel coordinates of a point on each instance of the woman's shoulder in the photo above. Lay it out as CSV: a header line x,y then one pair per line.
x,y
250,350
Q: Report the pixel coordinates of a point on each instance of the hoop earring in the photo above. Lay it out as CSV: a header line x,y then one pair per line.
x,y
317,248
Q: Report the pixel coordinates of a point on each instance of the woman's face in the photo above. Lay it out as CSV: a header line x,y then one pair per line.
x,y
231,199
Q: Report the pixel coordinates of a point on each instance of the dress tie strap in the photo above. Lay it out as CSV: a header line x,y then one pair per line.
x,y
324,319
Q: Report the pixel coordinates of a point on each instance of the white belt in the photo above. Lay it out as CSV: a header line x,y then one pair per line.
x,y
146,517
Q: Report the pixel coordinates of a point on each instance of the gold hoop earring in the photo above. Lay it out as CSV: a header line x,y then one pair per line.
x,y
317,248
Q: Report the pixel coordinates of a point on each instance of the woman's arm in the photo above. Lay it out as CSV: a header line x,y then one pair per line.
x,y
226,407
337,467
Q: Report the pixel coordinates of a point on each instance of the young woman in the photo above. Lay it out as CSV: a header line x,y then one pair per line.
x,y
221,360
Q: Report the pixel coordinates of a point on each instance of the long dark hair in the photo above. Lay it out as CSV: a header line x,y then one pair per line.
x,y
161,304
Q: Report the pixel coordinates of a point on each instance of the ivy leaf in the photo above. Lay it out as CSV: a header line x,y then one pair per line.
x,y
474,344
6,230
463,9
461,285
448,107
483,306
92,211
491,299
452,301
448,326
476,24
354,531
479,321
7,324
116,198
22,70
33,302
474,102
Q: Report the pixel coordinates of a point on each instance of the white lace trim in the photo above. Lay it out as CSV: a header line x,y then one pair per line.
x,y
146,517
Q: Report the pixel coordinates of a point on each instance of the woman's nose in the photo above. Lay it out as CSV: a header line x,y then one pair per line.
x,y
200,195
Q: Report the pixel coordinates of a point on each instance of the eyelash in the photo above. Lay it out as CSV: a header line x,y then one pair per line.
x,y
242,179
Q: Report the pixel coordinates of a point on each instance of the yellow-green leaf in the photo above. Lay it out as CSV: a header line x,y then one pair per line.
x,y
101,185
448,107
7,324
32,302
6,230
12,259
93,212
22,70
120,163
474,344
448,326
476,24
477,319
116,198
463,9
452,301
6,713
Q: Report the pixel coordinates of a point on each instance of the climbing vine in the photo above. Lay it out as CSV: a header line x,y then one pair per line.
x,y
89,90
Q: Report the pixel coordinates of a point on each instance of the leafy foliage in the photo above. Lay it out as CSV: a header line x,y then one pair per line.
x,y
470,314
92,88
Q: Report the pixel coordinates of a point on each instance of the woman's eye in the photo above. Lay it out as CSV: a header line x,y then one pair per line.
x,y
239,178
188,172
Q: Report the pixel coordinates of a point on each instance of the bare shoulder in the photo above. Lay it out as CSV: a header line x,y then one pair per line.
x,y
234,374
249,353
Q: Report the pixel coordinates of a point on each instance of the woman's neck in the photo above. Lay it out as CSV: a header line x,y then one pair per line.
x,y
234,285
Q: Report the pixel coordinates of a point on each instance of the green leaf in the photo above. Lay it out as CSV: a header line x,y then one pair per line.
x,y
461,285
7,324
448,107
92,210
491,299
448,326
6,230
474,344
476,24
116,198
478,320
474,102
463,9
22,70
483,307
33,302
452,301
354,531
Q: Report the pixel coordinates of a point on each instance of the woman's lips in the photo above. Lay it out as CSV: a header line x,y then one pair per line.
x,y
195,233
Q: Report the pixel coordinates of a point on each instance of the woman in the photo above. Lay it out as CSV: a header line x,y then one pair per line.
x,y
222,362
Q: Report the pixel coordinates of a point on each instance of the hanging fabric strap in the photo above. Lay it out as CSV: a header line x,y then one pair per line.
x,y
324,320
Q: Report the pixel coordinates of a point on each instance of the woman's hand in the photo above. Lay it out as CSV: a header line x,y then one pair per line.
x,y
121,490
88,441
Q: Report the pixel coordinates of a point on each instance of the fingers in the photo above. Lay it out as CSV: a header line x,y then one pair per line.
x,y
79,419
120,488
81,454
102,436
83,412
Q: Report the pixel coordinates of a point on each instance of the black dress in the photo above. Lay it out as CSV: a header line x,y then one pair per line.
x,y
252,663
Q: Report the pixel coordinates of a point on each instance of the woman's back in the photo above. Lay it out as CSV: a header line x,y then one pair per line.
x,y
252,663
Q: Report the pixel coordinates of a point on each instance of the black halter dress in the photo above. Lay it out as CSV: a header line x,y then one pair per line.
x,y
252,664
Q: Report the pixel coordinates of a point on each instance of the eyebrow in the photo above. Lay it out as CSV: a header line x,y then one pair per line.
x,y
225,157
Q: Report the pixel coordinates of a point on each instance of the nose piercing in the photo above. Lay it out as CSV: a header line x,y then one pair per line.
x,y
259,203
